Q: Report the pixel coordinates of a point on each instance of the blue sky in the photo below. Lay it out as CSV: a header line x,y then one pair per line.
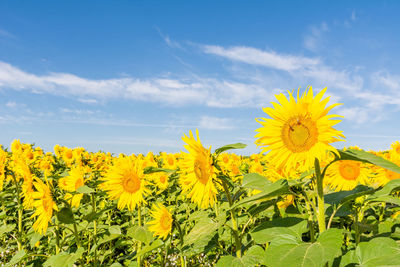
x,y
133,76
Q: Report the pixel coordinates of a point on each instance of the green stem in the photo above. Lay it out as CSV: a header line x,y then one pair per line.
x,y
183,260
19,239
234,222
320,192
57,232
94,229
78,240
140,243
310,221
356,228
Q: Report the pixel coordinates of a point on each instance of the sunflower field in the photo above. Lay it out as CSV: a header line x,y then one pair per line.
x,y
299,202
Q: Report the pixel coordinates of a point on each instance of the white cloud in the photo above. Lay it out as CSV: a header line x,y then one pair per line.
x,y
383,78
255,56
184,91
11,104
5,33
353,15
313,39
88,101
214,123
358,115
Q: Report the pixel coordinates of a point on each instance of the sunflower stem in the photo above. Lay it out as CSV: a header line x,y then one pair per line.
x,y
320,195
140,243
94,229
236,234
19,213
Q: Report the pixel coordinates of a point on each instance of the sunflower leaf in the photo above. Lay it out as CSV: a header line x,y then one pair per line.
x,y
363,156
228,147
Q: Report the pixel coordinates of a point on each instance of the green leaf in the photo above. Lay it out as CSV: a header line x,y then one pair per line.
x,y
114,231
16,258
361,155
6,228
380,251
34,239
64,259
257,253
84,189
155,245
230,261
324,250
228,147
388,188
202,232
386,199
65,215
255,181
152,169
140,233
282,230
278,188
344,196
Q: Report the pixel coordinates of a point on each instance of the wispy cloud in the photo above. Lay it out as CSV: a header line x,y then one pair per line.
x,y
255,56
4,33
168,91
214,123
313,39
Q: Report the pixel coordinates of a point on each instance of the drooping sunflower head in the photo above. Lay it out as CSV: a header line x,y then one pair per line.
x,y
161,224
44,206
125,181
197,172
298,131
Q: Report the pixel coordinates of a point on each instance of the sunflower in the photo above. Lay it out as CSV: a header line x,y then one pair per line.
x,y
197,172
3,163
160,179
383,176
71,183
44,205
125,181
298,131
347,174
162,224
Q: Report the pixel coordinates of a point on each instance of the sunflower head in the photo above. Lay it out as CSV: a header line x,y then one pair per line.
x,y
298,130
197,172
125,181
161,224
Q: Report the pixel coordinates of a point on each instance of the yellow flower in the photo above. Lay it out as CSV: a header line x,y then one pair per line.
x,y
347,174
197,172
162,224
286,202
160,179
298,131
169,161
125,181
383,176
16,146
71,183
44,206
3,162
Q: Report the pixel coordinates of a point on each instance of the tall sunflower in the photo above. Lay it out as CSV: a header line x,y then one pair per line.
x,y
162,224
125,181
197,172
298,131
44,206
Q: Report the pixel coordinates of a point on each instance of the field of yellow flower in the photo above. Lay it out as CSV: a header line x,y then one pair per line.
x,y
301,202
